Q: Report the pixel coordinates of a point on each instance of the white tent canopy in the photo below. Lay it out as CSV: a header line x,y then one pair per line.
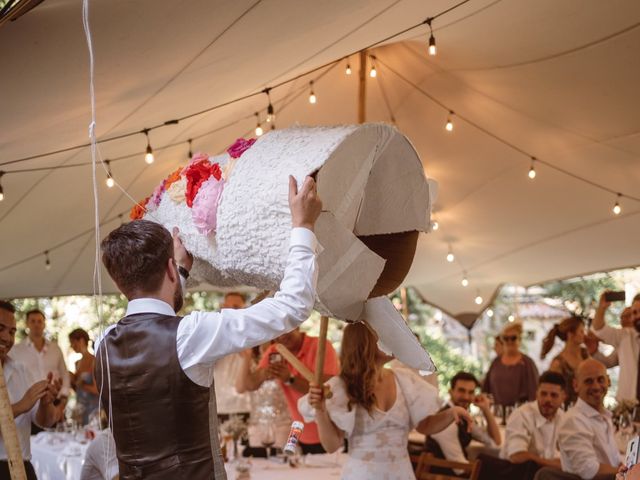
x,y
558,80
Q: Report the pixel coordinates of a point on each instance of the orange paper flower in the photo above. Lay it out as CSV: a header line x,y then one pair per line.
x,y
172,178
138,210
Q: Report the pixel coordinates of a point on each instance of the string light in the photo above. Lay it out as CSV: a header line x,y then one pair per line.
x,y
271,114
450,256
121,217
432,40
110,181
190,152
312,96
148,156
617,209
373,73
348,69
490,313
478,299
532,170
465,281
1,189
449,125
259,130
47,261
435,225
511,318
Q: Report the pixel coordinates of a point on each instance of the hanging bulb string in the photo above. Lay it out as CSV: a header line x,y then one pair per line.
x,y
502,140
175,121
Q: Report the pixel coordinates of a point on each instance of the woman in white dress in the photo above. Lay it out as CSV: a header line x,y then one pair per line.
x,y
375,408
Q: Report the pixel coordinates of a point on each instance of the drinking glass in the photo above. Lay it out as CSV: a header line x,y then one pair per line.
x,y
267,436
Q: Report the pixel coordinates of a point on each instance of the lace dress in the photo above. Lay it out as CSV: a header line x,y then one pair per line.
x,y
378,442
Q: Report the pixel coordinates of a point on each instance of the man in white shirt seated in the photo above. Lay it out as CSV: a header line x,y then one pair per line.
x,y
585,434
31,400
41,356
451,443
531,433
626,340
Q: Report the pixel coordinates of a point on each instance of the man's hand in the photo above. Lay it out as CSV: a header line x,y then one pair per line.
x,y
183,258
37,391
482,402
316,397
460,414
52,391
279,370
305,205
603,304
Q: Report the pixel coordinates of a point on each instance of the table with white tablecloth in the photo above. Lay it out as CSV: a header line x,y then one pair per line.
x,y
58,455
312,467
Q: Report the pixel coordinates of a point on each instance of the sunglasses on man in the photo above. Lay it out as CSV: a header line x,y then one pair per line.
x,y
510,338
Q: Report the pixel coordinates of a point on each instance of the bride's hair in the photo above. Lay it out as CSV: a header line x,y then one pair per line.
x,y
560,330
358,366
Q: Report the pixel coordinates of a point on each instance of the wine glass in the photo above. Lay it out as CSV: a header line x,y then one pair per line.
x,y
267,436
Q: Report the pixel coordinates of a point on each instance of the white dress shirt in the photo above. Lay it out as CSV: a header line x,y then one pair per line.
x,y
450,443
627,343
225,372
203,338
528,431
19,380
100,461
40,363
586,440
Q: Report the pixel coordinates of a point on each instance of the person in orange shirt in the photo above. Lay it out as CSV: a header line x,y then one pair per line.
x,y
294,385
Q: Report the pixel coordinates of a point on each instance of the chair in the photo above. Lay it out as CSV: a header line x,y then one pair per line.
x,y
427,461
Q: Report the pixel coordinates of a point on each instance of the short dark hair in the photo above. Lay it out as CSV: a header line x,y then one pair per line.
x,y
135,255
464,376
34,311
79,333
553,378
8,306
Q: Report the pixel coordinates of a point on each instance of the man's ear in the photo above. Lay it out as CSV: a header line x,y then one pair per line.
x,y
172,270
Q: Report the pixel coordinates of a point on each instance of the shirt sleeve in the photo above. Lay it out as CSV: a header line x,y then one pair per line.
x,y
610,335
64,373
420,397
481,435
450,444
516,436
337,406
204,337
577,454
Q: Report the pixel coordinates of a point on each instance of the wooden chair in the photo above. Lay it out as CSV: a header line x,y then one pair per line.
x,y
427,461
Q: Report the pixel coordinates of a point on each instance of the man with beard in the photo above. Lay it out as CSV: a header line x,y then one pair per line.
x,y
585,434
155,369
531,433
626,340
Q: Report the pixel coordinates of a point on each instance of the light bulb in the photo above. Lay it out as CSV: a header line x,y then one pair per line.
x,y
511,318
372,72
148,157
449,126
348,69
259,131
450,257
532,172
617,209
110,182
432,45
465,282
312,98
1,189
490,313
435,225
47,262
478,300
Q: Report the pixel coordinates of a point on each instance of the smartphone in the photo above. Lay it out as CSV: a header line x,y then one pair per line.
x,y
615,296
275,357
631,458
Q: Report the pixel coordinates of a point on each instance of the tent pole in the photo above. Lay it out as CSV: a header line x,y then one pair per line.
x,y
322,344
10,433
362,88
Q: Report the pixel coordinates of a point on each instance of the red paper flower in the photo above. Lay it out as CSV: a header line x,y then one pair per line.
x,y
238,148
197,173
138,210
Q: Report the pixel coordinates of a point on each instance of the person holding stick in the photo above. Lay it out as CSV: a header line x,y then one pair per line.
x,y
375,408
31,400
155,369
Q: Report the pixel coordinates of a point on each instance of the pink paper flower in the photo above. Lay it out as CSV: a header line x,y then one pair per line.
x,y
198,156
204,211
156,196
238,148
197,173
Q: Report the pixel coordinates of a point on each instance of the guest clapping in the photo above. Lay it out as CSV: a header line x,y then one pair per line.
x,y
513,376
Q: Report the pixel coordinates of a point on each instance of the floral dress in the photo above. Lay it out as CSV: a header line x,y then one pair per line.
x,y
378,441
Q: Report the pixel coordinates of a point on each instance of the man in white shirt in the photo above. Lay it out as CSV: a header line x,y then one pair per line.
x,y
626,340
100,462
227,370
31,400
585,434
451,442
532,429
42,356
157,368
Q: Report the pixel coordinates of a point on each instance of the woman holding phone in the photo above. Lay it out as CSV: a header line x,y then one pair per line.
x,y
374,408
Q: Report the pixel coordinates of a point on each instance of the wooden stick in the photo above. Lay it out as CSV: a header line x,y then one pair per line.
x,y
300,367
322,344
10,433
362,88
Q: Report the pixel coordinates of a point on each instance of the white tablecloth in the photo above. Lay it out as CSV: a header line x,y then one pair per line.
x,y
314,467
57,456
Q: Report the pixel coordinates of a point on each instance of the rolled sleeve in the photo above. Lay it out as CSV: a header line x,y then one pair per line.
x,y
517,437
610,335
576,448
